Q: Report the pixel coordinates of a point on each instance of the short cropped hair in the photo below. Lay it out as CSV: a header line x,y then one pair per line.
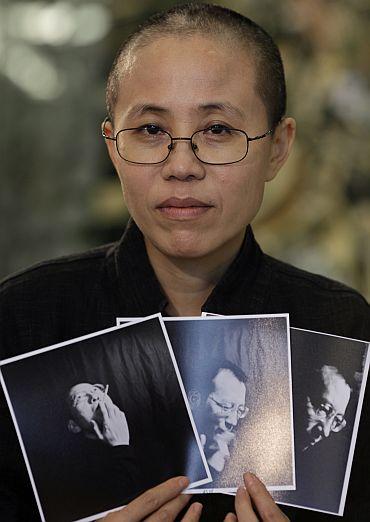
x,y
228,365
219,23
216,365
320,381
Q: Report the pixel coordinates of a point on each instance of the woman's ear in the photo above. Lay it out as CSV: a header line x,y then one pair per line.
x,y
282,142
107,131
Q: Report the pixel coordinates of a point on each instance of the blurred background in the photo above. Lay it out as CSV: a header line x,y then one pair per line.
x,y
59,193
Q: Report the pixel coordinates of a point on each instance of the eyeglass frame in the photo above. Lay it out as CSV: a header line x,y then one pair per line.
x,y
230,409
181,138
323,411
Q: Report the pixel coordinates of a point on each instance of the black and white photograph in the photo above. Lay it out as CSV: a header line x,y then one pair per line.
x,y
329,379
236,373
101,419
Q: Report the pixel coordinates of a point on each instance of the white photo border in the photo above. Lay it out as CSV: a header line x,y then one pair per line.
x,y
355,424
32,353
130,320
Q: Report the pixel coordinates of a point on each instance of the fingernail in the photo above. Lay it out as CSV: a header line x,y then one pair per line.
x,y
249,478
240,490
196,508
183,482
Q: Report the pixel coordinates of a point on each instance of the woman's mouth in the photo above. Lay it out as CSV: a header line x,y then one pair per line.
x,y
183,208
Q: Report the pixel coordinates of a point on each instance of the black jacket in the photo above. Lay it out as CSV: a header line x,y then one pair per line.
x,y
75,295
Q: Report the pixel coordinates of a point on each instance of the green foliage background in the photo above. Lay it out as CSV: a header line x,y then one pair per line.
x,y
59,193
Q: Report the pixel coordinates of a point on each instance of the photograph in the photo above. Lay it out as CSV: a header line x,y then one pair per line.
x,y
179,157
102,418
237,376
329,379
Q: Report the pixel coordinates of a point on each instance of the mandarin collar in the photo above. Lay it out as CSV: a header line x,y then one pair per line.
x,y
243,286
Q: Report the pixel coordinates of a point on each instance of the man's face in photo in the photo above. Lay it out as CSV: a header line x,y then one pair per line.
x,y
225,406
325,414
84,400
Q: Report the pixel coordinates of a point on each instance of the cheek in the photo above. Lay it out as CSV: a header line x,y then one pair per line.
x,y
134,190
221,423
241,194
138,185
312,421
84,411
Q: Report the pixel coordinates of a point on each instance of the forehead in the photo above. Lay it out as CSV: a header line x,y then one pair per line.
x,y
84,387
336,391
227,386
184,73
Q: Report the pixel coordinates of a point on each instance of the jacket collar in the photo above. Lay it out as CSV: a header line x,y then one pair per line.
x,y
241,290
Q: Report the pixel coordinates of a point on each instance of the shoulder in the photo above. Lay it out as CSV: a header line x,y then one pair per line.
x,y
72,269
295,279
315,301
54,301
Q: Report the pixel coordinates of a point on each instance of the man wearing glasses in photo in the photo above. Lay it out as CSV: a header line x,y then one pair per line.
x,y
326,405
322,395
221,412
196,127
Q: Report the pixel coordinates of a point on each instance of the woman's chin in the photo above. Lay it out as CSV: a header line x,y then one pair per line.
x,y
186,247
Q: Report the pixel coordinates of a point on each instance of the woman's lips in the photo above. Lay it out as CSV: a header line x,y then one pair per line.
x,y
183,208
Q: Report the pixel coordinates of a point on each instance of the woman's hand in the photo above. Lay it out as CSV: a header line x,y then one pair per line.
x,y
263,509
161,503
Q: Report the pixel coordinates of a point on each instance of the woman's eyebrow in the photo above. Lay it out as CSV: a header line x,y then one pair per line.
x,y
144,108
222,107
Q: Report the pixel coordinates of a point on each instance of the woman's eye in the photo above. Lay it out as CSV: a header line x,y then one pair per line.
x,y
219,129
151,129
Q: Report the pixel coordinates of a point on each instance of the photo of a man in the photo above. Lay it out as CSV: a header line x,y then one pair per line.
x,y
94,415
326,404
236,375
328,380
225,406
113,415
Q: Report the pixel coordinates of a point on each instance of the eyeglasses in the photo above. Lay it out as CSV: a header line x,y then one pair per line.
x,y
214,145
326,413
227,408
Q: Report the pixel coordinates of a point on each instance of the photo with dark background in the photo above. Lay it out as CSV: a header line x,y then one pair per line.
x,y
135,361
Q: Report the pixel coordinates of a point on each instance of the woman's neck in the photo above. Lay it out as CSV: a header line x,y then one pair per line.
x,y
187,282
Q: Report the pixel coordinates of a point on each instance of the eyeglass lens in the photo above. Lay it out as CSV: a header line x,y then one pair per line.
x,y
229,408
327,411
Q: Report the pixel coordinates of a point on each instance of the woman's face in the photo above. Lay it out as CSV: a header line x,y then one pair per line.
x,y
185,208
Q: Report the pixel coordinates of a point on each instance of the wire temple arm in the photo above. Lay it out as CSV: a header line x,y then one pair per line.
x,y
262,135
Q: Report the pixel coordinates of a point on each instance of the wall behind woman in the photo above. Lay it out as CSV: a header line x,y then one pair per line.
x,y
59,193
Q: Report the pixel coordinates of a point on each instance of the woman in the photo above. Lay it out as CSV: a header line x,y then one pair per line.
x,y
196,126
